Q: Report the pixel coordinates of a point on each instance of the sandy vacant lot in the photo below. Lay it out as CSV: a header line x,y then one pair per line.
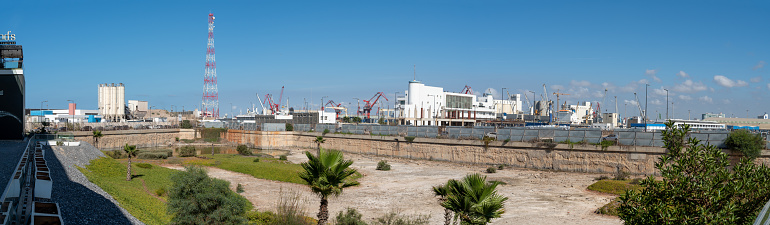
x,y
535,197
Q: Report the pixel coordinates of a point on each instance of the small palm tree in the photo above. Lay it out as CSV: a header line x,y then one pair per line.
x,y
131,151
442,192
319,140
327,175
474,200
97,134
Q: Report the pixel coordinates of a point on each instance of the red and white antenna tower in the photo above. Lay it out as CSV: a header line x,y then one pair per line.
x,y
210,91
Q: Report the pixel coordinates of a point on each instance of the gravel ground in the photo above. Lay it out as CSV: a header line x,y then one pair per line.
x,y
81,201
11,153
535,196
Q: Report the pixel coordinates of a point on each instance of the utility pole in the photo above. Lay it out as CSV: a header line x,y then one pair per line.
x,y
688,114
533,105
358,103
502,101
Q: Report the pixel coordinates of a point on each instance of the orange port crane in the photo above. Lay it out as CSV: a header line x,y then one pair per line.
x,y
337,108
371,102
274,108
467,90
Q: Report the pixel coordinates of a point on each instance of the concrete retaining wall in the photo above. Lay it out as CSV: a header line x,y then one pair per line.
x,y
141,138
260,139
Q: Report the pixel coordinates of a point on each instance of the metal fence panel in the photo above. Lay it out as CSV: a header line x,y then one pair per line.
x,y
643,142
644,135
626,135
559,139
517,132
702,137
546,133
594,134
561,133
718,137
628,142
531,132
574,134
658,143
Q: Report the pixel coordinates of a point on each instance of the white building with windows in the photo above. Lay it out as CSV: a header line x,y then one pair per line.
x,y
430,106
510,106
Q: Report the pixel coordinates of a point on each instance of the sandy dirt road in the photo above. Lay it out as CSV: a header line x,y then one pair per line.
x,y
535,197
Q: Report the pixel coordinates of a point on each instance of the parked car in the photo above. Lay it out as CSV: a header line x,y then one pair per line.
x,y
492,135
611,137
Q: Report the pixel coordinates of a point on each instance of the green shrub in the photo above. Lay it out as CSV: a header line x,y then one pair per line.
x,y
186,124
393,218
409,139
116,154
621,175
491,169
289,127
152,155
326,131
256,160
350,217
616,187
177,139
186,151
160,191
745,142
260,218
602,177
239,189
59,143
500,167
196,198
283,157
606,144
610,208
243,150
697,185
188,141
383,165
143,165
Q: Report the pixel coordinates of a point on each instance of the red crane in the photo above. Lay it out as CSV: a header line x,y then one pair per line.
x,y
337,108
467,90
372,101
274,108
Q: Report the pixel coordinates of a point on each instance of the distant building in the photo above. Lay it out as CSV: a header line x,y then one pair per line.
x,y
764,117
138,109
712,115
763,124
430,106
112,103
509,106
610,118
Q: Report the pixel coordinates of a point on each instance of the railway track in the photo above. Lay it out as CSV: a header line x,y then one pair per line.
x,y
27,198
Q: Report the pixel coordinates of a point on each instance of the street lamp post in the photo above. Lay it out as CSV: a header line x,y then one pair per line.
x,y
533,105
322,102
41,112
666,103
358,104
645,102
502,101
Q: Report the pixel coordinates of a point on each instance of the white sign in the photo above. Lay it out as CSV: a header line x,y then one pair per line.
x,y
8,36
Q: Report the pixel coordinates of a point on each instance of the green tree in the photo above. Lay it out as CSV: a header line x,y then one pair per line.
x,y
697,187
749,144
186,124
441,192
130,151
474,200
196,198
327,175
350,217
289,127
319,140
97,134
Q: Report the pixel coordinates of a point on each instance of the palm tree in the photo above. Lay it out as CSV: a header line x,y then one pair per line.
x,y
97,134
131,151
319,140
327,175
441,192
474,200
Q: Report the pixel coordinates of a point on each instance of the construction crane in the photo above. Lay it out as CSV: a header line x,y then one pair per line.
x,y
530,105
368,105
467,90
548,105
558,94
274,108
337,108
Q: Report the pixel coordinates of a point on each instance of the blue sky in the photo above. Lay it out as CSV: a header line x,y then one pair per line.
x,y
711,56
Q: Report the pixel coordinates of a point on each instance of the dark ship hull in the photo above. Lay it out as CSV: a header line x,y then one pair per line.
x,y
11,104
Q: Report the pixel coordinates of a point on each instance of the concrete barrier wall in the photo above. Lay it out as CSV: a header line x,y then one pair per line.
x,y
260,139
562,157
141,138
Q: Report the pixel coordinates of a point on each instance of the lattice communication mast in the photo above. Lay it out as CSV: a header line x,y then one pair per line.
x,y
210,91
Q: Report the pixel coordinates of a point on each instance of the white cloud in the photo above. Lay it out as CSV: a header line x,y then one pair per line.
x,y
726,101
706,99
656,102
688,86
630,102
659,91
494,92
728,83
682,74
685,97
759,65
768,85
643,81
652,75
756,79
580,83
